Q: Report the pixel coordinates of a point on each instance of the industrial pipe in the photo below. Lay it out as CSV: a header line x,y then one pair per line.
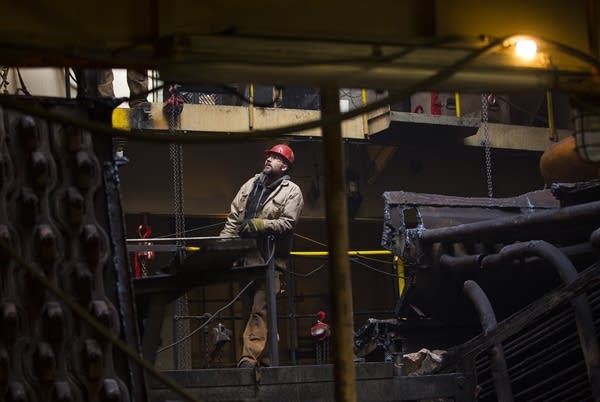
x,y
473,261
487,317
462,262
582,310
514,228
595,238
340,283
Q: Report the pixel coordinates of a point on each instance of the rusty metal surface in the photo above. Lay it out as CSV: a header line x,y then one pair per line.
x,y
53,213
408,215
447,240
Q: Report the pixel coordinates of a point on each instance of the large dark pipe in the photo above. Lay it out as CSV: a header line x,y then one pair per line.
x,y
583,312
462,262
487,317
595,238
515,228
472,261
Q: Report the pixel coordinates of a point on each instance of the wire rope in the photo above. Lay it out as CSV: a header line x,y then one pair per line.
x,y
216,313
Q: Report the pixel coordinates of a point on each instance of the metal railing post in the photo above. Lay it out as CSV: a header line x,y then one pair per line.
x,y
272,344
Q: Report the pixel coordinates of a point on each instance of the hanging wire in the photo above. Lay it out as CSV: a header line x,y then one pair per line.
x,y
306,275
357,261
23,87
192,230
212,316
522,109
310,240
375,259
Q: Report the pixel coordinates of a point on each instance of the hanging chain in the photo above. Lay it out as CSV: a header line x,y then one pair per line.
x,y
144,265
4,76
486,143
183,353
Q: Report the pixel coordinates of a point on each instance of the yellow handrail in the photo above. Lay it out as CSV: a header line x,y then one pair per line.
x,y
457,103
325,253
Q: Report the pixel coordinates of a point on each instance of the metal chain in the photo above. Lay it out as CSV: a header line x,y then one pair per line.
x,y
4,76
183,353
144,265
206,348
486,143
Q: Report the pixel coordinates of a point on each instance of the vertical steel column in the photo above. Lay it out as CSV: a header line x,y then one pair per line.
x,y
340,283
272,315
292,311
487,317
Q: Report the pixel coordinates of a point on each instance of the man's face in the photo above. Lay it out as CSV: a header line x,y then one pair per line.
x,y
275,165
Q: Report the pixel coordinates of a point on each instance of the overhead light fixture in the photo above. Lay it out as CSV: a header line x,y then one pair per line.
x,y
526,48
587,135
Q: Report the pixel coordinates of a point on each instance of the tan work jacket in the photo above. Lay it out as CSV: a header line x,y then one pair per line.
x,y
280,213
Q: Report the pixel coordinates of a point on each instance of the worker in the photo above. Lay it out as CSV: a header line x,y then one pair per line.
x,y
137,81
267,208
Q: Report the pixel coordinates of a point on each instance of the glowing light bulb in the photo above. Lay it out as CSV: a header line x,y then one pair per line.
x,y
526,49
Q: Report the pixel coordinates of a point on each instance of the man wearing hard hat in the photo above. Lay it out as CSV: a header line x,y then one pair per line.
x,y
267,208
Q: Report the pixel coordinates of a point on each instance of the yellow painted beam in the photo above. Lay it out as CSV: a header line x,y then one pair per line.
x,y
401,277
352,253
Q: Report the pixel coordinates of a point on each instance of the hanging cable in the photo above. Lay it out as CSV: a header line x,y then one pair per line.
x,y
306,275
193,230
375,259
357,261
23,87
310,240
212,316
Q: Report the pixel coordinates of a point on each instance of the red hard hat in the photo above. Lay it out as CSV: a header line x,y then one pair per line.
x,y
283,150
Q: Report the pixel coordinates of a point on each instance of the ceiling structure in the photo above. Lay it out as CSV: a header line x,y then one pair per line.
x,y
410,45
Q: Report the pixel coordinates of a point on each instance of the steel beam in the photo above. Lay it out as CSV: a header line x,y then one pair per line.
x,y
340,282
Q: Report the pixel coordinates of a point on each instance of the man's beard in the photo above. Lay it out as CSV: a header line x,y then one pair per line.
x,y
270,172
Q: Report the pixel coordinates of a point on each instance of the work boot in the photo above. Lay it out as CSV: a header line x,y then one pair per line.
x,y
246,364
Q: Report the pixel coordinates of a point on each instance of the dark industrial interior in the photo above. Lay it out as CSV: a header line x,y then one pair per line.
x,y
447,249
